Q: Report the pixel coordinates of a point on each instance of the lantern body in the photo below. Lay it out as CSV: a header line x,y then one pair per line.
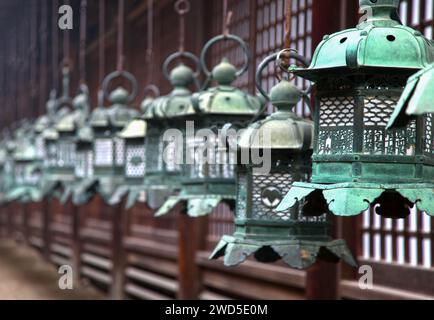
x,y
357,160
27,168
209,180
108,147
133,136
164,161
298,239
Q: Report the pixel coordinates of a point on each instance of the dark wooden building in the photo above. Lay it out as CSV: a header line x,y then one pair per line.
x,y
133,255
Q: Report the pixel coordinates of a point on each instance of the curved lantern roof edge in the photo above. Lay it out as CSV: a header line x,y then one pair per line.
x,y
372,44
417,98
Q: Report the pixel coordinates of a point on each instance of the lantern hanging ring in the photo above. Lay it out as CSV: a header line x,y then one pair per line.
x,y
292,54
120,74
181,54
225,37
151,89
182,7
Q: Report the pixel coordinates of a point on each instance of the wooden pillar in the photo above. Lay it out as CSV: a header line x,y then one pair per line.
x,y
192,238
46,232
25,222
76,219
119,230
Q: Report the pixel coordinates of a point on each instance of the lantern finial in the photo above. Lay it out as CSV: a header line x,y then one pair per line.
x,y
181,76
380,10
224,73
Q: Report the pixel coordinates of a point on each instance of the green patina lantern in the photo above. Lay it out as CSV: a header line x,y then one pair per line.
x,y
164,169
8,146
75,145
134,136
58,165
209,180
286,141
360,75
108,147
27,167
417,100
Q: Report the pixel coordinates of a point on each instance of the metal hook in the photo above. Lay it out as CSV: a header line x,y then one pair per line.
x,y
182,7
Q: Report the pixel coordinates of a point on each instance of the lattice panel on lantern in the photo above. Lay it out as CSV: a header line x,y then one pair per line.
x,y
51,159
154,148
119,151
241,195
40,146
19,173
268,192
429,134
336,125
66,157
135,157
378,140
80,165
198,168
103,152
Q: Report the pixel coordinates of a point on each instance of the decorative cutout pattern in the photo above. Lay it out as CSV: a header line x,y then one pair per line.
x,y
119,151
336,122
378,140
277,183
429,134
135,157
103,152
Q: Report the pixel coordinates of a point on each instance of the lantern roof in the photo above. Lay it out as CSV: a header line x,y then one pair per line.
x,y
134,130
117,115
417,98
85,134
178,101
25,151
380,41
50,134
280,130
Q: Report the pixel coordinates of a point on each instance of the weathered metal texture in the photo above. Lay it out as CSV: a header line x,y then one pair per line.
x,y
108,148
207,182
360,75
163,175
293,236
416,100
299,254
27,168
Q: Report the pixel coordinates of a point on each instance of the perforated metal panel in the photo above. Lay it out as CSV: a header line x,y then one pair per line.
x,y
336,125
40,147
429,134
378,140
241,210
80,165
154,153
198,168
103,152
135,157
119,152
66,156
172,155
51,159
268,192
19,173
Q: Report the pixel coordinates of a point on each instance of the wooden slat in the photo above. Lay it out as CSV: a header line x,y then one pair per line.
x,y
152,279
155,264
143,293
96,261
96,275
